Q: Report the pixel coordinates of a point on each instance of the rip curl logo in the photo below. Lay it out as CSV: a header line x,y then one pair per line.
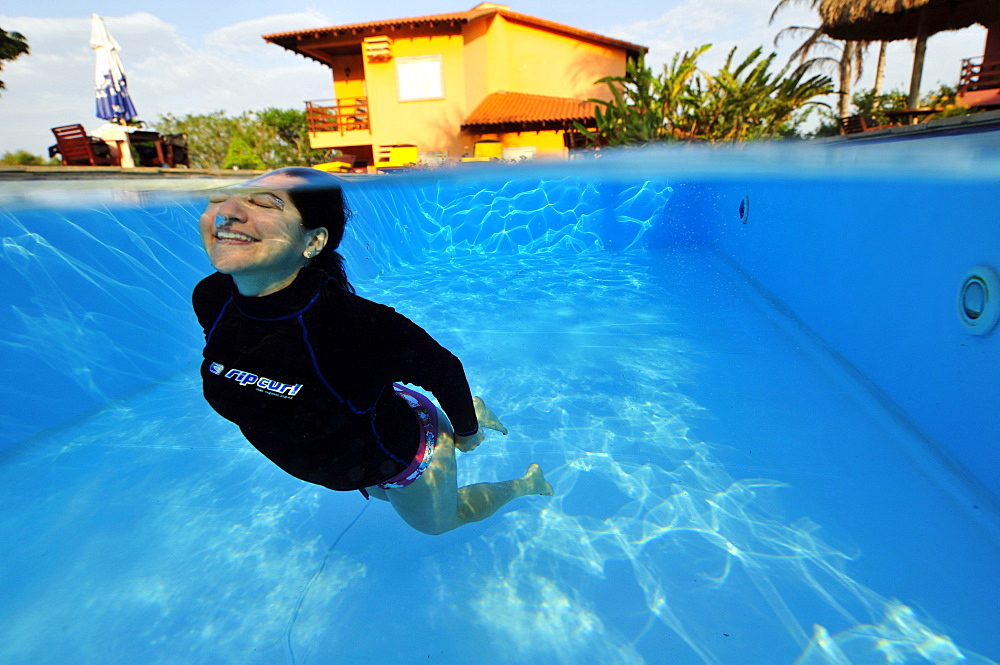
x,y
216,368
261,383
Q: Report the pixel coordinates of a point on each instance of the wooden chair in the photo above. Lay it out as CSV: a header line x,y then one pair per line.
x,y
856,124
576,140
159,150
77,148
147,148
176,148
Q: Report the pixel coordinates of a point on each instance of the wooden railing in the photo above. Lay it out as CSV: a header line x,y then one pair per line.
x,y
979,74
338,115
856,124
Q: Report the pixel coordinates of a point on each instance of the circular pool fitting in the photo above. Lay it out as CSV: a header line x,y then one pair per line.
x,y
745,209
979,300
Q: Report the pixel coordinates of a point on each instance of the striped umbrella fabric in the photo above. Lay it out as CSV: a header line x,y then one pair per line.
x,y
113,100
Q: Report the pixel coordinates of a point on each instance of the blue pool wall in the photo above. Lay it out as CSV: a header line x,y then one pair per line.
x,y
94,308
97,307
874,268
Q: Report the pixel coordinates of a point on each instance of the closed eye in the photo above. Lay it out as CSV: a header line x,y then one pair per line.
x,y
260,199
266,200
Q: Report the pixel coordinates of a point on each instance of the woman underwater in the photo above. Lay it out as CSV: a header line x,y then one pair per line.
x,y
308,370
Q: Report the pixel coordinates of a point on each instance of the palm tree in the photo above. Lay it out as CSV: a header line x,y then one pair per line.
x,y
12,45
749,101
846,60
746,100
880,68
849,55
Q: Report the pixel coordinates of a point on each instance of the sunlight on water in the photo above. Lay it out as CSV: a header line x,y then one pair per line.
x,y
633,488
900,638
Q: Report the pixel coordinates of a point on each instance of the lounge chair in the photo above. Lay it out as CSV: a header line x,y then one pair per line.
x,y
77,148
397,158
339,164
487,150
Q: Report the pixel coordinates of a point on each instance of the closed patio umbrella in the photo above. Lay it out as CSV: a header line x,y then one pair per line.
x,y
890,20
113,100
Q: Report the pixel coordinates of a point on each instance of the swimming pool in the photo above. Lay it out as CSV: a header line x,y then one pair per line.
x,y
771,437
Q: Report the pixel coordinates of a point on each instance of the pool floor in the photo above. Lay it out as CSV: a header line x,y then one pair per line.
x,y
725,493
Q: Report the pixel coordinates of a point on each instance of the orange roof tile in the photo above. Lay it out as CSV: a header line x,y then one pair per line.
x,y
289,39
516,110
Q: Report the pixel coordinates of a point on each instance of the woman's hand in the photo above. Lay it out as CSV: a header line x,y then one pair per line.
x,y
486,419
469,443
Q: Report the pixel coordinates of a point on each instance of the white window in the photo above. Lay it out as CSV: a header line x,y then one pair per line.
x,y
419,78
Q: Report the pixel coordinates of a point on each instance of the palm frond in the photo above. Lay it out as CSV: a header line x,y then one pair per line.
x,y
785,4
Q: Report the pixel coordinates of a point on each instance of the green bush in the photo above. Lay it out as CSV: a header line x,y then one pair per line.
x,y
21,158
866,103
742,102
241,155
278,137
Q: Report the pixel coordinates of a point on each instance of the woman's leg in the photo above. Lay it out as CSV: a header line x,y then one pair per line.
x,y
434,503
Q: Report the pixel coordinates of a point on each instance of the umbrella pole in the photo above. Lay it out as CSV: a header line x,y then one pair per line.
x,y
918,61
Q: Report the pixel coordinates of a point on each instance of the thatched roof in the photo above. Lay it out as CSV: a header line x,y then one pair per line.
x,y
888,20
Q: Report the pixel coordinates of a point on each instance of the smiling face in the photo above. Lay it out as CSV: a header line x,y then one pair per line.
x,y
255,234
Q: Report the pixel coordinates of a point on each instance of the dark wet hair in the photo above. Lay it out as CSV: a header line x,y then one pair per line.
x,y
320,202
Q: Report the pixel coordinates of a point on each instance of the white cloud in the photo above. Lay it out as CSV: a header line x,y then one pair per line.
x,y
246,35
724,24
233,70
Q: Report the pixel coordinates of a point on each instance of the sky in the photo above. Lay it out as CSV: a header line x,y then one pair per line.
x,y
189,56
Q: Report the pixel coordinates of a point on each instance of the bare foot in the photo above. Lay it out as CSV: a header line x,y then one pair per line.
x,y
536,482
486,417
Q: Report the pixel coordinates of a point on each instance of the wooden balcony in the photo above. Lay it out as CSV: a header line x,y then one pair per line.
x,y
338,115
979,74
979,84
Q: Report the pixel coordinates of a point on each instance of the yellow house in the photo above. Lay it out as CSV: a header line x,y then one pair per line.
x,y
485,83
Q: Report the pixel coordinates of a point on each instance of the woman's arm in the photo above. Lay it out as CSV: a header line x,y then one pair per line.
x,y
416,357
209,297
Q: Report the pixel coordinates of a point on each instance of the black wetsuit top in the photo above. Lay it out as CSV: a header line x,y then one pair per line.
x,y
307,374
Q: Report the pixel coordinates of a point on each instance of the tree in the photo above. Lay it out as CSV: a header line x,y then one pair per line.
x,y
849,55
847,60
12,46
241,155
645,108
208,136
21,158
278,137
743,101
281,137
880,67
750,102
872,103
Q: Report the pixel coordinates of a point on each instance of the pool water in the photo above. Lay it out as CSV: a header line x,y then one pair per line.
x,y
729,489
